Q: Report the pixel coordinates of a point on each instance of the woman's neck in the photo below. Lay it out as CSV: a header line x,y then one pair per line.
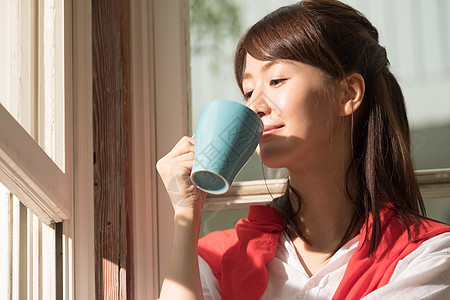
x,y
326,210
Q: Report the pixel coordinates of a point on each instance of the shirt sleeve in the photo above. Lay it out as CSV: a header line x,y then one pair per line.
x,y
423,274
210,285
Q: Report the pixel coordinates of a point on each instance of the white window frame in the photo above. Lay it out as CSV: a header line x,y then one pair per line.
x,y
160,107
79,244
54,195
143,138
25,168
27,171
433,184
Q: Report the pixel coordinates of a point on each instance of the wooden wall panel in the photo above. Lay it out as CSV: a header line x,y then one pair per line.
x,y
110,38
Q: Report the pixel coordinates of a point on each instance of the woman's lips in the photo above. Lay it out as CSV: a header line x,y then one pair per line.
x,y
271,129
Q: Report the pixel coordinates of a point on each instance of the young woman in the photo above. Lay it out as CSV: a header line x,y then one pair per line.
x,y
351,223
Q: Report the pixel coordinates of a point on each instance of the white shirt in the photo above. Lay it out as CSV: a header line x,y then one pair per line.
x,y
423,274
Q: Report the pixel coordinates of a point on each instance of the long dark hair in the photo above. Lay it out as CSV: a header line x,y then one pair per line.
x,y
339,40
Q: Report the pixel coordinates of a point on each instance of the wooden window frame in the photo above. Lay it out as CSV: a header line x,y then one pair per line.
x,y
432,183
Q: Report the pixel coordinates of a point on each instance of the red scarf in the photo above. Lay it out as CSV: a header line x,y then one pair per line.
x,y
238,257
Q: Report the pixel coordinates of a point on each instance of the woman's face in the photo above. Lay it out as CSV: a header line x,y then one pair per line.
x,y
299,119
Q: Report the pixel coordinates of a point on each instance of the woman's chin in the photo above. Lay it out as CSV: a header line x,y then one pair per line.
x,y
272,159
273,163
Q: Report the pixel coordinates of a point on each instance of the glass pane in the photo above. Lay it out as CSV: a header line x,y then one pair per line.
x,y
438,209
417,38
220,220
215,29
31,70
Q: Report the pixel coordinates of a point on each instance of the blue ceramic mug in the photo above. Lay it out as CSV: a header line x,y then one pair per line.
x,y
226,137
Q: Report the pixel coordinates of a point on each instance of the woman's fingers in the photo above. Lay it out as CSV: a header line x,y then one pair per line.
x,y
181,164
182,151
185,145
189,156
175,169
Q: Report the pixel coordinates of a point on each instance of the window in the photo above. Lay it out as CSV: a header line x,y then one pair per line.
x,y
35,168
162,53
417,42
37,171
36,152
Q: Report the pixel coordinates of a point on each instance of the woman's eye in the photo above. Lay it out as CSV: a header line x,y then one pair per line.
x,y
248,95
278,81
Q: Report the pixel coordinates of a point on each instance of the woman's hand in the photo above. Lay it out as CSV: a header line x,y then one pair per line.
x,y
175,170
182,279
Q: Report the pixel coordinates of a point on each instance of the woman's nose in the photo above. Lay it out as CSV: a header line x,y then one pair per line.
x,y
260,105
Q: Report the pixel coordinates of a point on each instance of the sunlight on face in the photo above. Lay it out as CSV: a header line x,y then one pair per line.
x,y
293,101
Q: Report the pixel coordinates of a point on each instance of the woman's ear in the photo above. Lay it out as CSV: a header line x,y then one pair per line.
x,y
353,93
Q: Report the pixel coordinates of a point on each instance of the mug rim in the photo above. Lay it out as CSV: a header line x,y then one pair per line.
x,y
215,192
